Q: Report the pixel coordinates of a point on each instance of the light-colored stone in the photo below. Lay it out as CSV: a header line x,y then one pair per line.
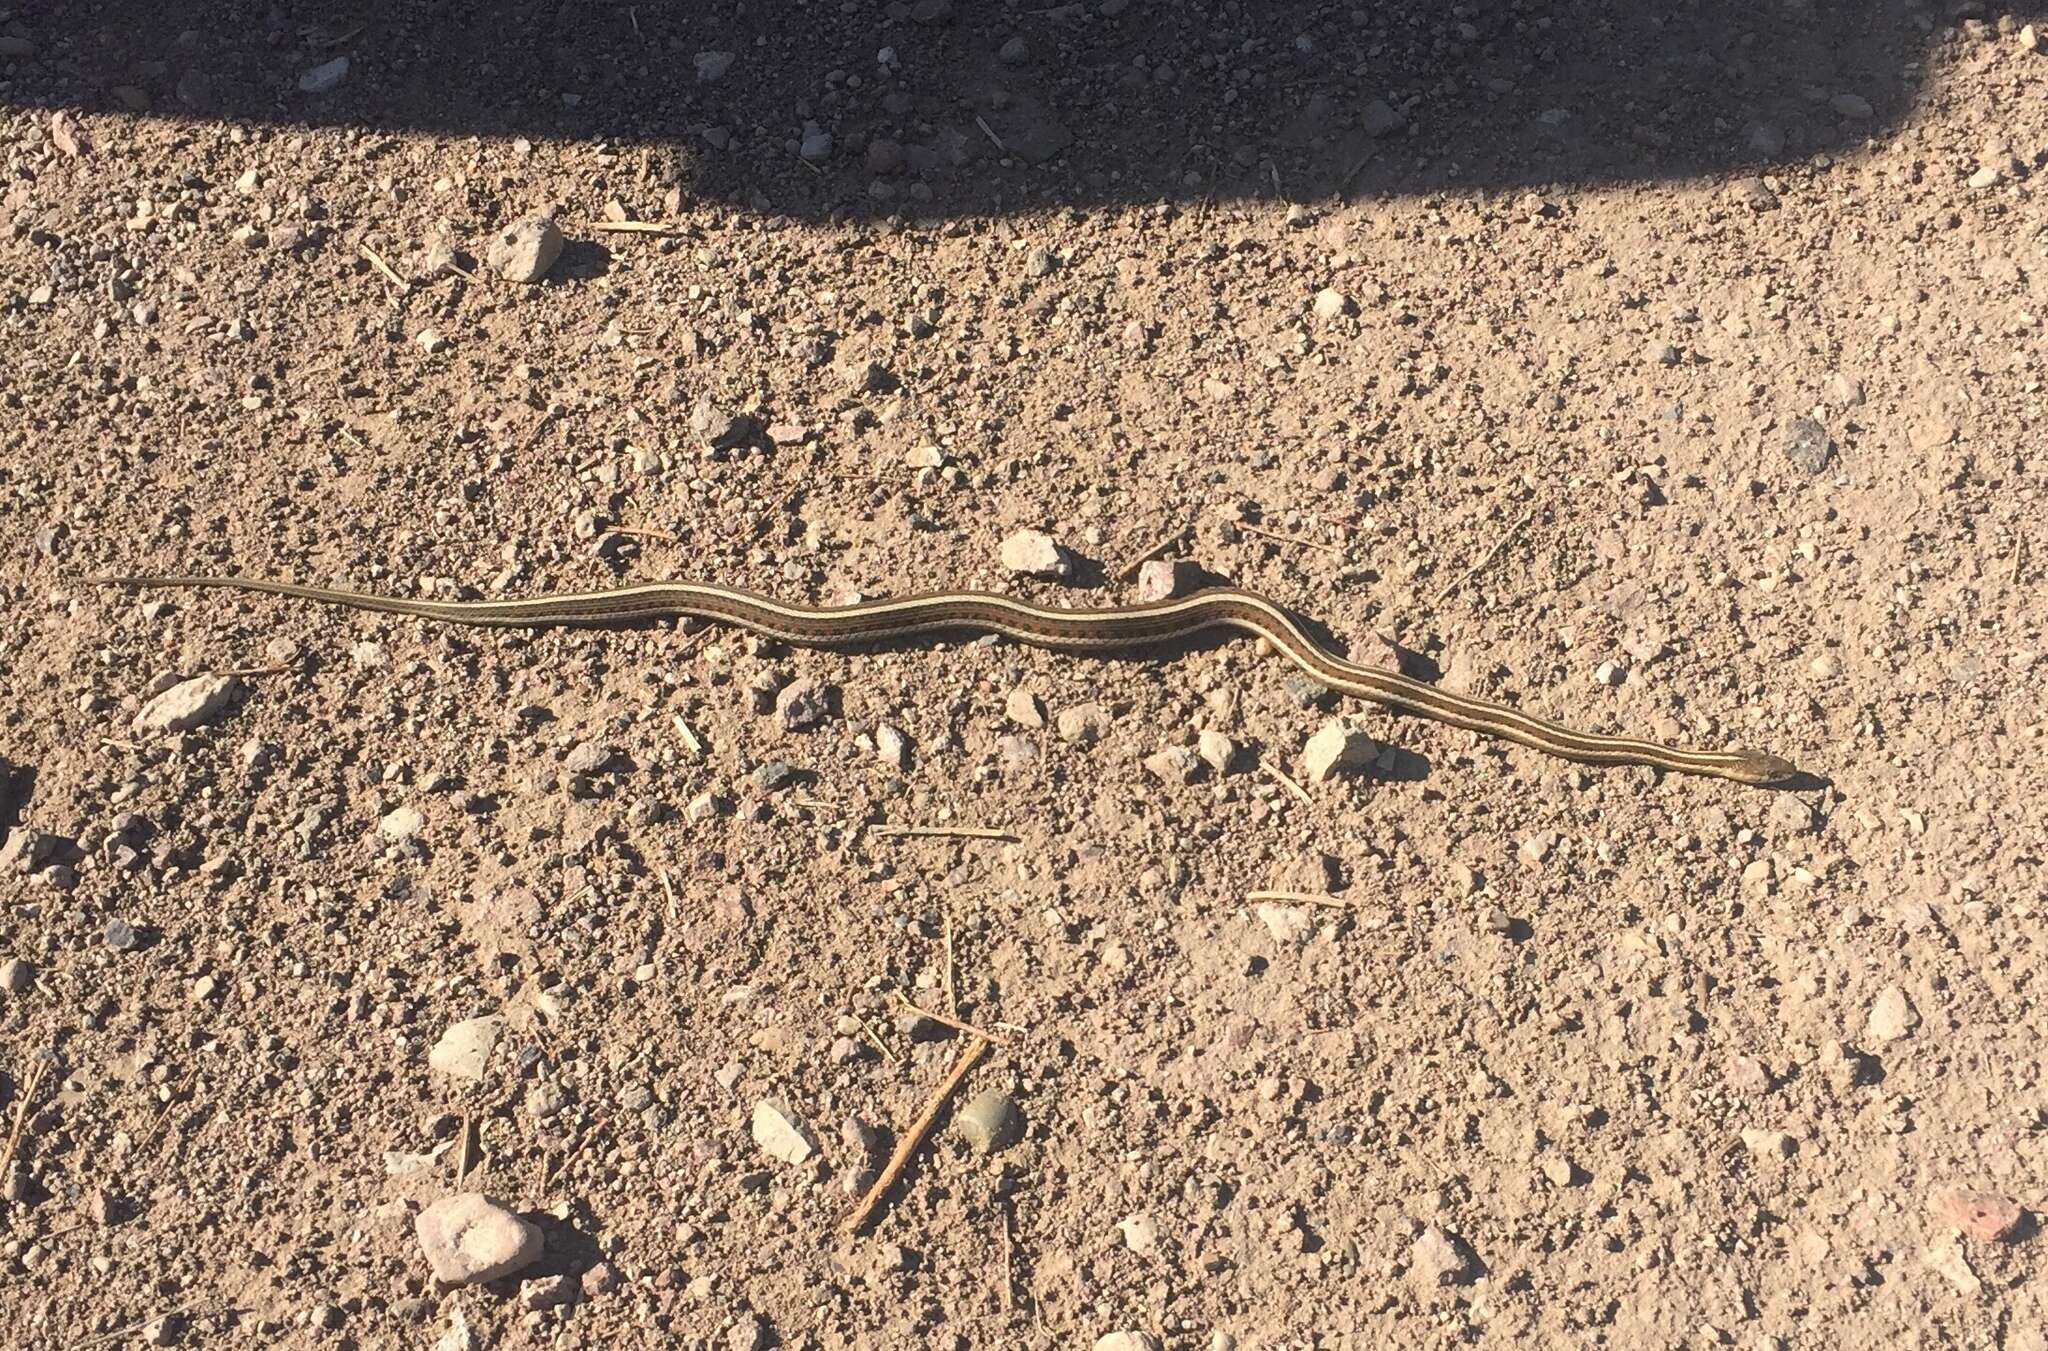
x,y
525,250
1024,708
1033,553
1892,1015
1336,746
1946,1257
16,976
324,77
1330,303
1082,724
1140,1233
464,1050
990,1121
1175,764
401,823
1768,1144
1287,923
1438,1258
1217,749
1127,1340
712,66
468,1239
781,1134
187,704
1165,578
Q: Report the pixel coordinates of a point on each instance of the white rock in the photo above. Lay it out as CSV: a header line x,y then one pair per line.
x,y
1022,707
712,66
431,340
1083,723
465,1048
892,747
458,1337
1036,554
1439,1257
1219,750
1140,1233
1336,746
1892,1015
1287,923
401,823
781,1134
1165,578
16,976
1175,764
324,77
524,251
1769,1144
1127,1341
468,1239
1852,106
1946,1256
1330,303
187,704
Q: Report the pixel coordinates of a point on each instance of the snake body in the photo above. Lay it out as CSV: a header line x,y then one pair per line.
x,y
1082,631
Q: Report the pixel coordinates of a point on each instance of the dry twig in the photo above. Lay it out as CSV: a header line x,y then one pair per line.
x,y
377,261
907,1144
638,227
945,832
28,1093
957,1024
1289,784
987,131
1264,533
1491,554
1304,897
1158,547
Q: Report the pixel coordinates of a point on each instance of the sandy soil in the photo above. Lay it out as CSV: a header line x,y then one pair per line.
x,y
1675,375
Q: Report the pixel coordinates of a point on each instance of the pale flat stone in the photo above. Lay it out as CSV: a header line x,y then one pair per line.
x,y
781,1134
187,704
468,1239
465,1048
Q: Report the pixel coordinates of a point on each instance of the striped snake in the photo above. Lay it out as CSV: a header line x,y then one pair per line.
x,y
1085,631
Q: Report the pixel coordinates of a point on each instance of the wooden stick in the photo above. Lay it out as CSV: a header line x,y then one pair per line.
x,y
638,227
1290,784
257,671
35,1081
988,132
1159,546
875,1040
118,1333
1487,561
645,532
952,994
1305,897
957,1024
462,1155
158,1124
911,1139
378,262
945,832
1289,539
1009,1262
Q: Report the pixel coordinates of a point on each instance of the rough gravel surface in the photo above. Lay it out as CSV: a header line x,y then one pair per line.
x,y
1672,371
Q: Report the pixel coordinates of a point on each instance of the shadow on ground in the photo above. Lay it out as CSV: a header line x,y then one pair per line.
x,y
813,109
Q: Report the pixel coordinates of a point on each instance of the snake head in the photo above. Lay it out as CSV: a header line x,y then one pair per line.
x,y
1763,769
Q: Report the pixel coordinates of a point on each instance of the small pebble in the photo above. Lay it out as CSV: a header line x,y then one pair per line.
x,y
468,1239
1033,553
781,1134
1337,746
16,976
990,1122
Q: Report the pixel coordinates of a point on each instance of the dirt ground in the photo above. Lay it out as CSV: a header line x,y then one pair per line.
x,y
1673,371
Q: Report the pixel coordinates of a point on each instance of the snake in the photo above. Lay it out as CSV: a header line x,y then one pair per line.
x,y
1084,631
